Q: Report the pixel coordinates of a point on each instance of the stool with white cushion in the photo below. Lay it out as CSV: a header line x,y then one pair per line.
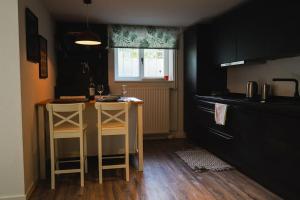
x,y
111,123
66,121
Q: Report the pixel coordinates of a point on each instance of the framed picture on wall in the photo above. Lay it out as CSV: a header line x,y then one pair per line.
x,y
43,58
32,39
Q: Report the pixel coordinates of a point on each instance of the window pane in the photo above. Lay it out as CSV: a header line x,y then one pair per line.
x,y
154,63
128,63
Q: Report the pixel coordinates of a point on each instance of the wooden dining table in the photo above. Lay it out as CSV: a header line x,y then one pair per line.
x,y
42,128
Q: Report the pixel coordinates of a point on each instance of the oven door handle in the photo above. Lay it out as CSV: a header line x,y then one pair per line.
x,y
221,134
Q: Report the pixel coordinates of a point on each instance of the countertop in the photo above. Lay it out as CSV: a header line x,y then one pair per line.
x,y
133,100
276,105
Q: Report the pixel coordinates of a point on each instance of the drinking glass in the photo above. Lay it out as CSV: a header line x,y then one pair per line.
x,y
100,89
124,90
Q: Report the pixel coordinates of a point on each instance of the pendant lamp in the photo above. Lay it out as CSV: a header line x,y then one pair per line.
x,y
88,37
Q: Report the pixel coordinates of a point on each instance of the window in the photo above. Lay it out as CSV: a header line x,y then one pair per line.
x,y
143,64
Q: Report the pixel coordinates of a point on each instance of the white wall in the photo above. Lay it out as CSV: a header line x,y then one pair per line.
x,y
11,148
237,77
34,89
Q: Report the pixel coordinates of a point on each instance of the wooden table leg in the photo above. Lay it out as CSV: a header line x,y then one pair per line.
x,y
140,133
42,141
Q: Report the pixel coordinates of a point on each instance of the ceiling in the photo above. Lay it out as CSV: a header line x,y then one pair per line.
x,y
179,13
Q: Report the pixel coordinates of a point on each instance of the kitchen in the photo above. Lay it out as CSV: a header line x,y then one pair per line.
x,y
260,133
228,85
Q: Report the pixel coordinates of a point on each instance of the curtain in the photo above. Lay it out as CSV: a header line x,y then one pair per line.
x,y
144,37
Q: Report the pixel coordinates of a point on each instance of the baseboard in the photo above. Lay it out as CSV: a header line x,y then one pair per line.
x,y
179,135
31,189
171,135
156,136
13,197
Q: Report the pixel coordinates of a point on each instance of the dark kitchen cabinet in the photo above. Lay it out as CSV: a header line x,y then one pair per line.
x,y
190,80
259,140
249,131
241,34
190,61
200,75
284,19
257,31
252,31
224,39
267,149
281,153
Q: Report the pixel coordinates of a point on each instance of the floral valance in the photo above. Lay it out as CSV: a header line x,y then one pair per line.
x,y
147,37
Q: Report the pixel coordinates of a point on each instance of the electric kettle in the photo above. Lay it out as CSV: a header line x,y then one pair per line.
x,y
252,88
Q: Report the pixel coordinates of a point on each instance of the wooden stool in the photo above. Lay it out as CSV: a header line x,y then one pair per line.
x,y
110,123
63,125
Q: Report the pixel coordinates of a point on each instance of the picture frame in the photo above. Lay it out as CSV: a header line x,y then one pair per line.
x,y
43,58
32,39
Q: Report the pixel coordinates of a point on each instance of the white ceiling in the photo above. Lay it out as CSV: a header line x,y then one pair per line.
x,y
141,12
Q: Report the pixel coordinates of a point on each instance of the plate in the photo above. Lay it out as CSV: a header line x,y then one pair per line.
x,y
108,99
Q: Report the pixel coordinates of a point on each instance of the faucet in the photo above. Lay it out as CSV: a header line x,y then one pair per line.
x,y
296,94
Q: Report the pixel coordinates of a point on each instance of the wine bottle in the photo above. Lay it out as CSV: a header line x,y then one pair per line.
x,y
91,89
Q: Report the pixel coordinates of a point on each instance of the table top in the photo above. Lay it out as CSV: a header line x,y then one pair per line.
x,y
132,100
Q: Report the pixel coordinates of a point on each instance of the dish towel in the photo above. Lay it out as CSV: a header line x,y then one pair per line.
x,y
220,113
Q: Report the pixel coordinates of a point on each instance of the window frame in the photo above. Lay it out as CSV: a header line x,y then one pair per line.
x,y
141,76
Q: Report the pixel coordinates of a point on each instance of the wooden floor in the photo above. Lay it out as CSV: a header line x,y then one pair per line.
x,y
165,177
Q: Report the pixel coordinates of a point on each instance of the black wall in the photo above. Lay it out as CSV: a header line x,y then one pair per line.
x,y
70,58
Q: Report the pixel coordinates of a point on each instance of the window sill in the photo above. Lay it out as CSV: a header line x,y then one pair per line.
x,y
116,84
144,81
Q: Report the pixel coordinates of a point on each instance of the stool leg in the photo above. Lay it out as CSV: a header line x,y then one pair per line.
x,y
56,154
85,154
52,163
127,156
100,156
81,162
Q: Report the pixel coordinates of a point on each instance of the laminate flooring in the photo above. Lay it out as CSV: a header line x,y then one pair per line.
x,y
165,177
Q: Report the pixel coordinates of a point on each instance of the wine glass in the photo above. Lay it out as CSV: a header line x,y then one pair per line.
x,y
100,89
124,90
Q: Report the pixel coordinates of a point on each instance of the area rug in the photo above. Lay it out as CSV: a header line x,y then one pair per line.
x,y
201,160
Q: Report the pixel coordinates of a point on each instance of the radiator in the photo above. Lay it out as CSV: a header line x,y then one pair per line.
x,y
156,108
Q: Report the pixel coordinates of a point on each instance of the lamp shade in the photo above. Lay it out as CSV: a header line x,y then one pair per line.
x,y
88,38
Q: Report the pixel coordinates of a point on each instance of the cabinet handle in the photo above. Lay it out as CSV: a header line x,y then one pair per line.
x,y
220,133
206,109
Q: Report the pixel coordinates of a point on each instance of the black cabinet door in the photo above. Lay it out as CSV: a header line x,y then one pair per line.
x,y
268,29
224,39
204,60
248,130
252,31
284,41
190,80
258,30
281,153
266,148
200,77
190,61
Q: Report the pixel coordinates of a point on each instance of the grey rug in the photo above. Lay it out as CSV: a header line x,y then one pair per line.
x,y
201,160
